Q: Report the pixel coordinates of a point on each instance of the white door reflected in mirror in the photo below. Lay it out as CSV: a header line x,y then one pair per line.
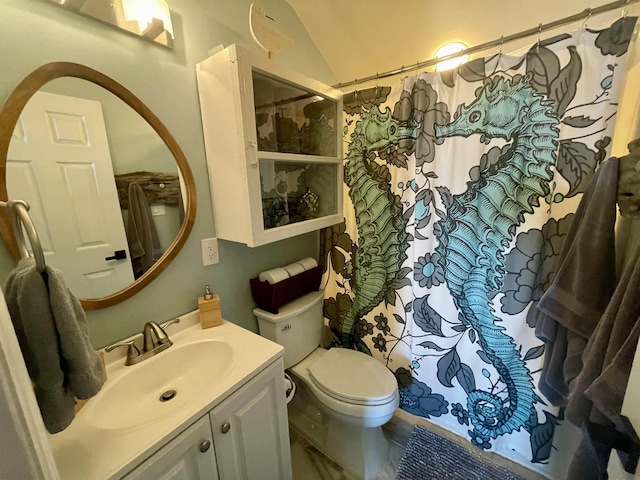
x,y
59,161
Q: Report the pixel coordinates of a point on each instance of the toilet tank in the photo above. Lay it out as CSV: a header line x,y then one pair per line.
x,y
297,326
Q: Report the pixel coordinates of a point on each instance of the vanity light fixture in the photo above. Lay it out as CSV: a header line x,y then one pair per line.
x,y
448,49
153,16
71,3
149,19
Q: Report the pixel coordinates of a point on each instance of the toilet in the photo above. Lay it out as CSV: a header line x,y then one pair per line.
x,y
343,397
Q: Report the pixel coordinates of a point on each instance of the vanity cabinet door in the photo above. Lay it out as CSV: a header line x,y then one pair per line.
x,y
190,456
250,430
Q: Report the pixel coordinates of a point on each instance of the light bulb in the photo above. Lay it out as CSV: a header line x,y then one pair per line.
x,y
449,49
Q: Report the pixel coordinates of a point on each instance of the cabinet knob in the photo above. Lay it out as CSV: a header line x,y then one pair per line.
x,y
225,427
204,446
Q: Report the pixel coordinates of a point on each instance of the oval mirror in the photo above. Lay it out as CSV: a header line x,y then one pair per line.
x,y
111,193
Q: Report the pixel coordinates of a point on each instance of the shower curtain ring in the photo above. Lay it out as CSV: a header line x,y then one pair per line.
x,y
355,90
501,43
538,40
376,85
584,24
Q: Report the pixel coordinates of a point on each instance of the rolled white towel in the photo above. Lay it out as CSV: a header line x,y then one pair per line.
x,y
308,263
273,276
294,269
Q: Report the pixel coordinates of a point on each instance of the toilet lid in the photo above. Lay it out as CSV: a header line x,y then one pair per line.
x,y
353,377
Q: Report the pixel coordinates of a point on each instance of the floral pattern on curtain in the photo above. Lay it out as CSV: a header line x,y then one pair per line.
x,y
462,186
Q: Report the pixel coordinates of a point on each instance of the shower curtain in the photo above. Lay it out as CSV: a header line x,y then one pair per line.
x,y
459,189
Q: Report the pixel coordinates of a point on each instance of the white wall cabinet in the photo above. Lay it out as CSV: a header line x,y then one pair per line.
x,y
273,139
245,437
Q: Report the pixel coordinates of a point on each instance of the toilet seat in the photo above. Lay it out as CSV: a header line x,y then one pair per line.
x,y
353,377
360,415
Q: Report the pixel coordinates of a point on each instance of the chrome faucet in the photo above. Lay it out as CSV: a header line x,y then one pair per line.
x,y
151,330
154,341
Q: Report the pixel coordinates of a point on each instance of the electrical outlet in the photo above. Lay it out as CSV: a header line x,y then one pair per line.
x,y
209,251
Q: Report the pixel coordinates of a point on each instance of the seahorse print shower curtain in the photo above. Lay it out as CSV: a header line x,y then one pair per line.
x,y
459,189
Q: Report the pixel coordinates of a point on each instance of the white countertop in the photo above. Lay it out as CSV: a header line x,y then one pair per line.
x,y
86,452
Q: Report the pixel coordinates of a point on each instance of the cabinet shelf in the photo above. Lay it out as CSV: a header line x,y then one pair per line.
x,y
274,148
297,157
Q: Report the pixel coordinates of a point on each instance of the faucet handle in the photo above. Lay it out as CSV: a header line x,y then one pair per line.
x,y
170,322
132,350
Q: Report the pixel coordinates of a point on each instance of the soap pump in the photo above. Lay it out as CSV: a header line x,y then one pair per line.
x,y
209,308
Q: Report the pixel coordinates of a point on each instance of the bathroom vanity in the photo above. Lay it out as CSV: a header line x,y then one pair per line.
x,y
273,139
212,406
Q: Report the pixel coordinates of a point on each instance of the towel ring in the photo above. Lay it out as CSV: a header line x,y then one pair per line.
x,y
19,211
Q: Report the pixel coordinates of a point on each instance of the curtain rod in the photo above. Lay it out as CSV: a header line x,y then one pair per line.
x,y
586,14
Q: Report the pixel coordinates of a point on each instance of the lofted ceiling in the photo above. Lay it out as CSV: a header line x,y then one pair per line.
x,y
359,38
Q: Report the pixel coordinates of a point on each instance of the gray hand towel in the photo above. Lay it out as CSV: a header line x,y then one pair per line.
x,y
53,335
144,245
28,302
84,370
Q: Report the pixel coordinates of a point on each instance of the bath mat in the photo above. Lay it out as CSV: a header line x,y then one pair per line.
x,y
429,456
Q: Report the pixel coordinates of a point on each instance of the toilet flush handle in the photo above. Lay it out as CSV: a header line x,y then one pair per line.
x,y
286,326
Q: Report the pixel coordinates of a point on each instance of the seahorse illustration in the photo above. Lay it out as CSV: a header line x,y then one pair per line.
x,y
382,237
480,224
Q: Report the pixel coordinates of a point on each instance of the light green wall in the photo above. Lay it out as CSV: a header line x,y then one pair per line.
x,y
35,32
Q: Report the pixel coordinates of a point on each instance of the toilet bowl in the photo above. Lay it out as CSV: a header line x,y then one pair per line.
x,y
349,385
343,397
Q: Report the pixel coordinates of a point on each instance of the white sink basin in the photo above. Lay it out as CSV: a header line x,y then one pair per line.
x,y
133,399
126,422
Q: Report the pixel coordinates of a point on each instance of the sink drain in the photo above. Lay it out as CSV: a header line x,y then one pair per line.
x,y
168,395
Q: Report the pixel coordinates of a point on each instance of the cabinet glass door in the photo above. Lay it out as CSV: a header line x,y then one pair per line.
x,y
292,120
297,191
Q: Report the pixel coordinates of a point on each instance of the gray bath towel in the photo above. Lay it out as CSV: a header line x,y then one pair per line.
x,y
608,356
598,392
144,245
552,382
582,285
52,331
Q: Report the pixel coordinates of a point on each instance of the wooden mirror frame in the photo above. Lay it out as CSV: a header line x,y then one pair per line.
x,y
9,115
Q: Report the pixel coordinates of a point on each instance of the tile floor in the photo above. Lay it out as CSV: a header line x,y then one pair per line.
x,y
309,463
